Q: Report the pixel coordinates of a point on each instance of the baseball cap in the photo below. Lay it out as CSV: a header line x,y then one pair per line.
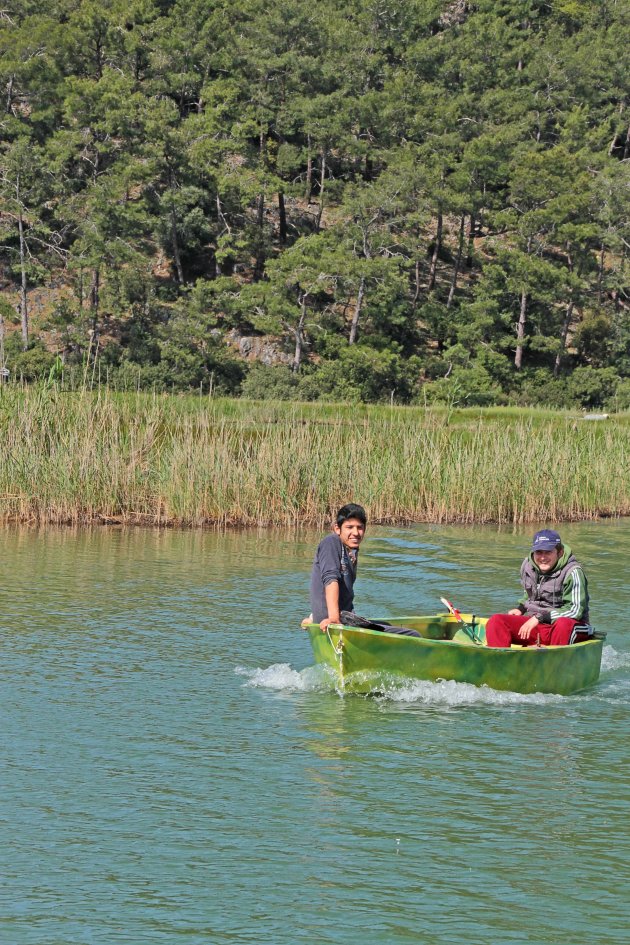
x,y
546,540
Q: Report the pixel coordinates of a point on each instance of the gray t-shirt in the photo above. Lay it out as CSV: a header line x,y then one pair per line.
x,y
332,563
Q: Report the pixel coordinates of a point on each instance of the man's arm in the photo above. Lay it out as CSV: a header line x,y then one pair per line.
x,y
330,552
574,596
331,591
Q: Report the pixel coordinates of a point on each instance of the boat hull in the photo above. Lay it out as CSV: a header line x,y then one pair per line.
x,y
365,660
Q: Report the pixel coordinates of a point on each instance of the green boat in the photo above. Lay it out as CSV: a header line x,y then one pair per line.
x,y
447,648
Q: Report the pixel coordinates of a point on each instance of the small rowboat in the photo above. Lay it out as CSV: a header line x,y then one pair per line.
x,y
451,648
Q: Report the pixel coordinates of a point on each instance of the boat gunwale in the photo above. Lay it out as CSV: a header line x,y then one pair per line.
x,y
339,629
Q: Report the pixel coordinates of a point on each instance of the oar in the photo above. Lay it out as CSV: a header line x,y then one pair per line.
x,y
470,631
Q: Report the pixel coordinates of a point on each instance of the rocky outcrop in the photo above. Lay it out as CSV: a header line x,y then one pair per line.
x,y
259,348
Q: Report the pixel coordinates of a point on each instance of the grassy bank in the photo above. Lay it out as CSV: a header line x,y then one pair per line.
x,y
100,457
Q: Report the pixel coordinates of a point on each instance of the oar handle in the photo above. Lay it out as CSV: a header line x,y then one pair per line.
x,y
452,610
470,630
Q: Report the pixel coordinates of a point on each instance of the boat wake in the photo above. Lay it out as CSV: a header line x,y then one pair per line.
x,y
445,692
612,660
281,677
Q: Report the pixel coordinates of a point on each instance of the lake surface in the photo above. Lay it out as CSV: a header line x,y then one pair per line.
x,y
174,769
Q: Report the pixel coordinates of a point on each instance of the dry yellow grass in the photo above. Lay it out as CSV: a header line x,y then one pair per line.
x,y
100,457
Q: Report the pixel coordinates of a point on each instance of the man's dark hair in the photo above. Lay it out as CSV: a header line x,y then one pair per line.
x,y
351,510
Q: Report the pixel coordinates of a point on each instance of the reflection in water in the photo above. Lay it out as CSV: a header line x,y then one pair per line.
x,y
175,769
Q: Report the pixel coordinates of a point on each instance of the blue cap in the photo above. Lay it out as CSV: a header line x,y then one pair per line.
x,y
546,540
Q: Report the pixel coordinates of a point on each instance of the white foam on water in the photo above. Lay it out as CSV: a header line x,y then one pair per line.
x,y
611,659
282,678
449,693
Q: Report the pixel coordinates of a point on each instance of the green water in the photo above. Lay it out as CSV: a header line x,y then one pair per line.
x,y
174,770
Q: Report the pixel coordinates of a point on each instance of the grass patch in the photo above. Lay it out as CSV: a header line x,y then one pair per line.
x,y
192,461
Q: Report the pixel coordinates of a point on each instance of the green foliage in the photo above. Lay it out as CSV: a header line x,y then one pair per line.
x,y
420,189
593,387
593,338
465,387
271,382
621,399
34,364
363,375
535,388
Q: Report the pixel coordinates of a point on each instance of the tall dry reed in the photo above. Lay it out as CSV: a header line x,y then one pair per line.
x,y
90,457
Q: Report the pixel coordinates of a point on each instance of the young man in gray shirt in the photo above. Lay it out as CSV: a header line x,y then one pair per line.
x,y
335,566
334,573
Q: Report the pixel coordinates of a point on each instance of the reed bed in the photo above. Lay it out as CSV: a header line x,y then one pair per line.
x,y
99,457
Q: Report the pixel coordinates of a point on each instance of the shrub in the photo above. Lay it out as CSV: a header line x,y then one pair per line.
x,y
621,398
361,374
593,387
34,364
539,389
270,382
465,387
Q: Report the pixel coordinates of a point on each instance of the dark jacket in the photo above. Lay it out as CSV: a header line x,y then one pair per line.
x,y
332,563
562,592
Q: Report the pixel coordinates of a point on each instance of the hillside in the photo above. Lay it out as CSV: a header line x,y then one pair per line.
x,y
404,202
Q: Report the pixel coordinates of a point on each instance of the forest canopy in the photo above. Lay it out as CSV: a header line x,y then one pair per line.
x,y
386,200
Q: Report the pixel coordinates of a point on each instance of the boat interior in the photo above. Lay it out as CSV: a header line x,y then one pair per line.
x,y
470,629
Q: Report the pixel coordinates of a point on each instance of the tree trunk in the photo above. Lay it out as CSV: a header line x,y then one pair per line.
x,y
566,324
563,338
309,170
95,300
354,327
9,102
458,261
520,331
174,239
221,221
175,243
299,334
471,242
99,57
23,282
600,274
259,265
436,252
416,294
282,218
322,179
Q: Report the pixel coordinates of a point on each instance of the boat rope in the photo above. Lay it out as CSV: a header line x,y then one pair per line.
x,y
338,649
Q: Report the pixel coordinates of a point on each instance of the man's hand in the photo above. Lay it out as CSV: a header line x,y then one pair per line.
x,y
525,631
325,623
515,612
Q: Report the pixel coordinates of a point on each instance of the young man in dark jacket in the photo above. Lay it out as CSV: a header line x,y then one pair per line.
x,y
334,573
335,566
554,610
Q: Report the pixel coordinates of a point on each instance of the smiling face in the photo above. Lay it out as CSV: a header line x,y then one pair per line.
x,y
351,532
547,560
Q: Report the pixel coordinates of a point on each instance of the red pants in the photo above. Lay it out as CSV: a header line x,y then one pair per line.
x,y
502,630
